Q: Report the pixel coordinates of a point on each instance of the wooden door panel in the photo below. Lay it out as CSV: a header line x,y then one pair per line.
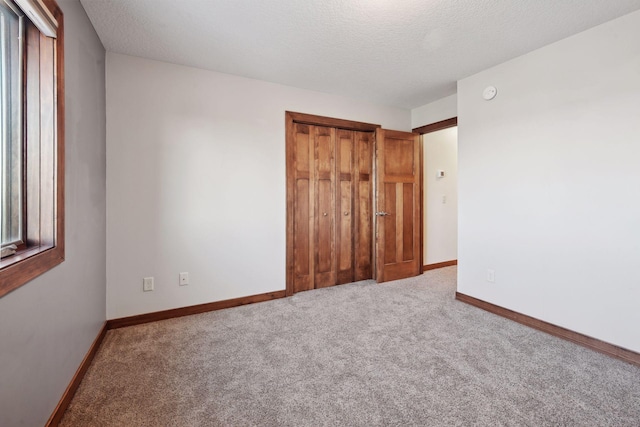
x,y
345,151
345,238
398,157
325,269
397,201
303,244
365,152
390,223
407,222
363,249
324,151
302,249
303,150
325,226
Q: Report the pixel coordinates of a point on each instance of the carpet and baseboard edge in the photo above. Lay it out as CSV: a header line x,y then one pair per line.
x,y
558,331
68,394
57,414
193,309
428,267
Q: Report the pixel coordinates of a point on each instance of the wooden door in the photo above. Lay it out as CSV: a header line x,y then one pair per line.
x,y
314,208
344,204
354,163
325,206
363,201
303,207
397,201
329,201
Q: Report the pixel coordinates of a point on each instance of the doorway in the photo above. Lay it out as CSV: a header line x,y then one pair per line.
x,y
440,144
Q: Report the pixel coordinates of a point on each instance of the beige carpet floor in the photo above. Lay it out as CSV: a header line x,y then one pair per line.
x,y
398,354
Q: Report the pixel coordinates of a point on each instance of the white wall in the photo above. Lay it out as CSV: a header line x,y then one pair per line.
x,y
435,111
440,196
549,179
196,181
48,325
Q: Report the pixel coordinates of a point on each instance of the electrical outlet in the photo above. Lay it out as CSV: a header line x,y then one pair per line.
x,y
184,279
147,284
491,276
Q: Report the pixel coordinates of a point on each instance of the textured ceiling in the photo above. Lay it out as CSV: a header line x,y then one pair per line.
x,y
404,53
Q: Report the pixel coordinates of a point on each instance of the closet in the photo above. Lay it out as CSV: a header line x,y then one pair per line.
x,y
331,206
330,200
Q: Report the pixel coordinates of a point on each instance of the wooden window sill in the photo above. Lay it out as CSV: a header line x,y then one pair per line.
x,y
18,269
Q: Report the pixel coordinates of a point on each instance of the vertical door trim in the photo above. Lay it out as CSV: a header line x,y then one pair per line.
x,y
308,119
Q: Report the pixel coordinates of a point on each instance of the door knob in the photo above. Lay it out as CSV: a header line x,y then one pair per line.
x,y
324,214
346,213
382,213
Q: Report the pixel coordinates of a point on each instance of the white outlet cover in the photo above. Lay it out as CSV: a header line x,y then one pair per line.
x,y
491,276
184,279
489,93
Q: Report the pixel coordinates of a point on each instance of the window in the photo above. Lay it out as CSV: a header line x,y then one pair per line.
x,y
31,140
11,138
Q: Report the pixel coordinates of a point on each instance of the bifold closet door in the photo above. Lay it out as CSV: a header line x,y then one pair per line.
x,y
344,203
314,207
363,202
325,206
303,208
354,160
332,206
